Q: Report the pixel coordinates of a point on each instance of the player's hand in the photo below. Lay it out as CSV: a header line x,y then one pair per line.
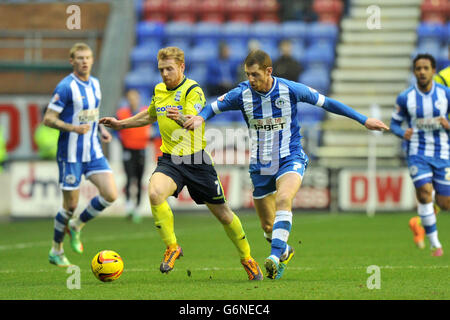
x,y
82,128
444,123
375,124
173,113
408,134
111,122
193,122
105,136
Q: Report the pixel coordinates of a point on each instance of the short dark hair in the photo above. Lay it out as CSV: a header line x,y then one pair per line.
x,y
259,57
425,56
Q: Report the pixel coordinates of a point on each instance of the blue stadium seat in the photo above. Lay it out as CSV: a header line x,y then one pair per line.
x,y
202,53
238,51
448,33
442,59
206,32
308,113
316,78
293,30
431,32
180,43
142,79
198,73
144,56
431,47
319,55
265,31
176,31
235,32
298,50
149,32
271,48
322,32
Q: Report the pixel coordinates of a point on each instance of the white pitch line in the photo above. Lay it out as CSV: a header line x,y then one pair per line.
x,y
235,268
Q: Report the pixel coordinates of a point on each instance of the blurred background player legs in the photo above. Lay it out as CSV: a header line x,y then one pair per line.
x,y
134,143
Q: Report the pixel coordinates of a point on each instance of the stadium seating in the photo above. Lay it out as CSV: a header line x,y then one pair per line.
x,y
182,10
322,32
149,32
268,10
241,10
198,26
328,11
435,10
211,11
155,10
431,32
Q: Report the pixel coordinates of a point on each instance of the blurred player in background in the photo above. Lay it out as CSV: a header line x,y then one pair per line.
x,y
425,107
134,143
184,161
74,111
3,151
278,162
46,140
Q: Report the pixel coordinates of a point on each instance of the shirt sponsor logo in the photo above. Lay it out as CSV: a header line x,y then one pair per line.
x,y
428,124
268,124
161,110
88,115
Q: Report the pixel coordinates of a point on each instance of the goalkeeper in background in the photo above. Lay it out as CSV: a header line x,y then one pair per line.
x,y
184,161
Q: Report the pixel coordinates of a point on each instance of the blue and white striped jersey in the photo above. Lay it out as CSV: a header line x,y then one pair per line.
x,y
274,130
422,112
78,102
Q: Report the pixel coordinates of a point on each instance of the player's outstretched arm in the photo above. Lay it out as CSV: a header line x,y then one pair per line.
x,y
139,120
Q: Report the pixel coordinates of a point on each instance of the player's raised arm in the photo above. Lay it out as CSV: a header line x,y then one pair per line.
x,y
139,120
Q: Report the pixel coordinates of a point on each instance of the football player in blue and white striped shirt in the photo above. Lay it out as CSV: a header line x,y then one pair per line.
x,y
425,108
74,110
278,162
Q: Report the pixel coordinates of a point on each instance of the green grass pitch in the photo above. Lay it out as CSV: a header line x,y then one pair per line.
x,y
333,252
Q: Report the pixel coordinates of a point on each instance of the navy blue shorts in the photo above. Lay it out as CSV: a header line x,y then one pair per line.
x,y
200,176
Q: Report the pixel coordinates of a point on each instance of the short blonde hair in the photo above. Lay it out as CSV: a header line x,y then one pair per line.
x,y
80,46
171,53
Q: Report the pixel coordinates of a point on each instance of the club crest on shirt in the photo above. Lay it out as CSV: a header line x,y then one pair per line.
x,y
280,102
177,96
221,97
439,104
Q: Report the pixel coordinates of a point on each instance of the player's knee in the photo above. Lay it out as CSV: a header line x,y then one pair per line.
x,y
443,203
266,227
156,197
283,201
110,196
